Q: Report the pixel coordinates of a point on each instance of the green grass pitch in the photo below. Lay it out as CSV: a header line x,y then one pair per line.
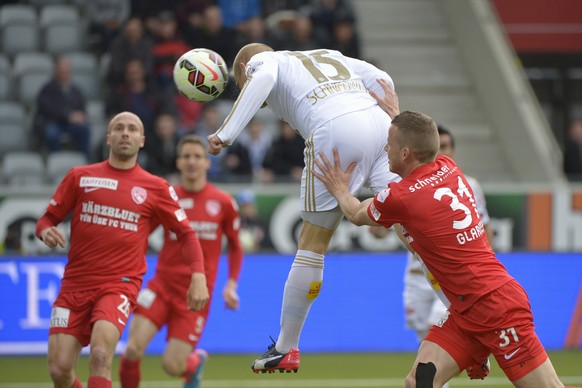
x,y
317,370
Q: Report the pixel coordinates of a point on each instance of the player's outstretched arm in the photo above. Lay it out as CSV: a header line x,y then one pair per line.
x,y
337,183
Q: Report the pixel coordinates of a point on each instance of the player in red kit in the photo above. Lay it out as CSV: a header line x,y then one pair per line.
x,y
212,213
113,205
434,204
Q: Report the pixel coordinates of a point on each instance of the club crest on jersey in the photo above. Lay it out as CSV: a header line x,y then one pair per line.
x,y
173,193
139,194
213,207
382,195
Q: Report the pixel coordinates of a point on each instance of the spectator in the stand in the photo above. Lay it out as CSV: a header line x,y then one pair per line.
x,y
573,151
168,47
284,160
161,152
207,125
252,229
106,18
189,14
324,13
236,13
257,142
213,34
299,37
138,95
148,11
344,35
132,44
236,164
60,110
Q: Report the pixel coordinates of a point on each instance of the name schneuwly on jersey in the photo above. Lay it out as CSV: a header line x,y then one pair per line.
x,y
105,183
325,90
440,175
113,217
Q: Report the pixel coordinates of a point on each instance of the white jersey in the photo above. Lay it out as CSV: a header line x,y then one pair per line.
x,y
304,88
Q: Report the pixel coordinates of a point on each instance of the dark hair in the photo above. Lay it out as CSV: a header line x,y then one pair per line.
x,y
445,131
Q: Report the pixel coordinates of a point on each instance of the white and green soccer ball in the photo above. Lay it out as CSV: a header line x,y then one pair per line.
x,y
201,75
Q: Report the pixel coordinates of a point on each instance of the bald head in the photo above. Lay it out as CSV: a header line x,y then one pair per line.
x,y
128,117
243,57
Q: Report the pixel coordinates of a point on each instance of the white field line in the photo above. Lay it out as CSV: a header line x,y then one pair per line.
x,y
309,383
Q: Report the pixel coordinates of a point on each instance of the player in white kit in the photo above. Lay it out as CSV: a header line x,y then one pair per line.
x,y
325,97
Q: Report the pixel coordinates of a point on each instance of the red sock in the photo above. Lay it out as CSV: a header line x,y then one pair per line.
x,y
99,382
129,373
77,383
191,365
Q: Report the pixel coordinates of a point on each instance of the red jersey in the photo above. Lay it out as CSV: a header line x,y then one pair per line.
x,y
436,207
112,214
212,213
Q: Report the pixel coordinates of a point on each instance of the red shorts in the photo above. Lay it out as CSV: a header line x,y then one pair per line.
x,y
75,312
500,323
163,304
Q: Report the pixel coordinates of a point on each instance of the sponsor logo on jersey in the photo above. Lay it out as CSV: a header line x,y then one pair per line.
x,y
443,319
173,193
139,194
213,207
205,230
180,215
440,175
375,213
102,183
186,203
382,195
60,317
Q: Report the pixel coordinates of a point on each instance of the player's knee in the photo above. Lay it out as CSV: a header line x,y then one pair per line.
x,y
60,373
173,366
100,359
133,351
424,377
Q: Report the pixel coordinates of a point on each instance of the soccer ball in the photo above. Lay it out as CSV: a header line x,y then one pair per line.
x,y
200,75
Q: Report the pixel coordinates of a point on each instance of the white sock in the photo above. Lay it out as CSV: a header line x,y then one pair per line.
x,y
301,289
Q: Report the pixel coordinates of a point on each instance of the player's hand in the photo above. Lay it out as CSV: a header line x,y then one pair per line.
x,y
231,299
197,292
389,103
52,236
334,179
214,144
378,231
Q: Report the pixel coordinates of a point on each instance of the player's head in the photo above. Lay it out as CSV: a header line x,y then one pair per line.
x,y
243,57
412,140
125,136
446,141
192,158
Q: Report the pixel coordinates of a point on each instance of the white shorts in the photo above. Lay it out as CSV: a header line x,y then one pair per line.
x,y
359,137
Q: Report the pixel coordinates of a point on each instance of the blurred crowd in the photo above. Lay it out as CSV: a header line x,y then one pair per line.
x,y
139,42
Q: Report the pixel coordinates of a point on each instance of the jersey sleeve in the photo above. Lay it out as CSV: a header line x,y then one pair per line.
x,y
262,74
370,75
386,208
64,198
231,230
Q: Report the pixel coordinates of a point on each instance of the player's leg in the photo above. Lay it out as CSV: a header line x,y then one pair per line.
x,y
63,355
543,376
149,316
433,367
141,332
184,330
70,331
110,314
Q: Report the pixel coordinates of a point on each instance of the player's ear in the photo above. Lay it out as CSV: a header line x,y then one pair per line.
x,y
142,143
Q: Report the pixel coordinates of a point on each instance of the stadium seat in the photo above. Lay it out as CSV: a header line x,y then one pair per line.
x,y
58,14
43,3
5,78
17,13
84,73
13,133
23,169
59,163
31,72
17,38
59,39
